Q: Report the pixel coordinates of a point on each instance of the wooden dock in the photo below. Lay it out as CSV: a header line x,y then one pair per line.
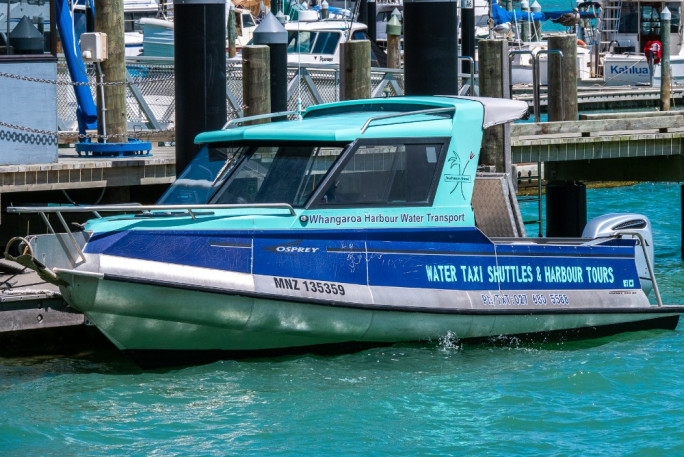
x,y
640,146
590,98
629,139
77,172
34,319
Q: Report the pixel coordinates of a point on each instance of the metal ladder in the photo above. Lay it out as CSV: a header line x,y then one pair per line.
x,y
534,198
609,23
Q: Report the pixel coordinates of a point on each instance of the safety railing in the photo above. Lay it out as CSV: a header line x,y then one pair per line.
x,y
150,93
159,211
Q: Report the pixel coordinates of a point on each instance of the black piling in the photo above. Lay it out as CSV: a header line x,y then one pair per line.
x,y
200,66
372,26
467,32
363,12
272,34
430,36
566,209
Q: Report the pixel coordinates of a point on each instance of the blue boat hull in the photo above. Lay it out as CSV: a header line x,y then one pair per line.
x,y
250,291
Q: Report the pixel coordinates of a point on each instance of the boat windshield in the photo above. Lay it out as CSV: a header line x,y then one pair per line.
x,y
205,174
374,173
285,173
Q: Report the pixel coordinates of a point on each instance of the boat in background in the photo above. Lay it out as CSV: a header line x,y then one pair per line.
x,y
311,40
134,12
358,222
630,45
158,36
384,10
619,43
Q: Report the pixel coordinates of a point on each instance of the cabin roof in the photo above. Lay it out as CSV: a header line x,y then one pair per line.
x,y
345,121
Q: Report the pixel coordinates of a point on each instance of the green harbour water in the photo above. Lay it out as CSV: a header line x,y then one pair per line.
x,y
615,396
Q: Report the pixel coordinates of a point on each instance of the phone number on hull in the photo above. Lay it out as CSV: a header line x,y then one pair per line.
x,y
523,299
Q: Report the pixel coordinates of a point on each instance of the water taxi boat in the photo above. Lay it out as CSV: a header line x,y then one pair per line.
x,y
360,222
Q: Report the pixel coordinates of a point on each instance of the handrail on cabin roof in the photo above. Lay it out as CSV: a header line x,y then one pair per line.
x,y
189,208
407,113
234,122
241,120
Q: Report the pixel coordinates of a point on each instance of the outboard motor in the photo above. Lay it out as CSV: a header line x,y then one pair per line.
x,y
625,223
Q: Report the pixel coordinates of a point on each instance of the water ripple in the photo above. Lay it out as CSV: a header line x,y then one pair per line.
x,y
618,396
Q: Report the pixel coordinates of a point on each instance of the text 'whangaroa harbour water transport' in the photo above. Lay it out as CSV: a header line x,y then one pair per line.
x,y
361,222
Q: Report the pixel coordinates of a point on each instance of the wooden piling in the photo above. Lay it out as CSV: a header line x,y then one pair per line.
x,y
537,34
271,33
355,65
109,16
494,82
562,98
232,33
256,81
394,43
525,25
665,70
393,51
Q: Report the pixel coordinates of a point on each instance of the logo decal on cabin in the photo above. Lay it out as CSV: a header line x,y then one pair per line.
x,y
459,178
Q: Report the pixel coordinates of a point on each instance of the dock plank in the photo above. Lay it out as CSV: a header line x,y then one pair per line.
x,y
622,126
154,136
73,171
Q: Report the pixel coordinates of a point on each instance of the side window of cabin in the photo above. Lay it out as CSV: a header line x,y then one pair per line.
x,y
629,22
650,20
300,42
386,174
247,20
676,11
326,43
